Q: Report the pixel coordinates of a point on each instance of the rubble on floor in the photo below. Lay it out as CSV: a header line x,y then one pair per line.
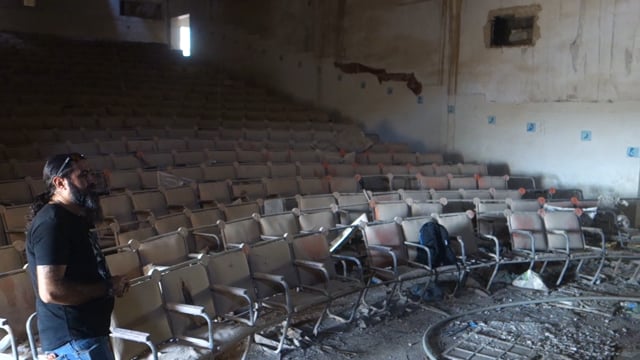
x,y
550,330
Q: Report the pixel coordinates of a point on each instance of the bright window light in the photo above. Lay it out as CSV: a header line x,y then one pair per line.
x,y
185,40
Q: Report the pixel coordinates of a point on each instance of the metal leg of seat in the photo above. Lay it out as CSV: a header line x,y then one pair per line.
x,y
387,298
544,266
596,276
316,328
493,275
635,273
353,311
564,269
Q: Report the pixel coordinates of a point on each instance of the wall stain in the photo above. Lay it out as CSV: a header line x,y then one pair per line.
x,y
628,60
577,41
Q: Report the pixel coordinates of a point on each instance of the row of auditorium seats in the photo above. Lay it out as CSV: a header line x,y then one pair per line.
x,y
262,138
240,200
42,149
257,295
275,118
257,180
281,162
173,271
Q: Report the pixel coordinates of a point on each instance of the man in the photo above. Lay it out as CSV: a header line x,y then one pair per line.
x,y
73,286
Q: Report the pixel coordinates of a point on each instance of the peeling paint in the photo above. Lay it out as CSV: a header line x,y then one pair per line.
x,y
354,68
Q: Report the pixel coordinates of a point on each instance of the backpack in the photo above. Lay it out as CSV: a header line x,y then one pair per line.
x,y
435,237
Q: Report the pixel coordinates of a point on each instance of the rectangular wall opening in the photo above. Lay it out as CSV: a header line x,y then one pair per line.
x,y
512,27
181,34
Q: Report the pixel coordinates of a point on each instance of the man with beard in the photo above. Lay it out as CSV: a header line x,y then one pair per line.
x,y
75,291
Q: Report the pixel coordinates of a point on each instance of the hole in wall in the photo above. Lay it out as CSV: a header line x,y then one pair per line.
x,y
512,27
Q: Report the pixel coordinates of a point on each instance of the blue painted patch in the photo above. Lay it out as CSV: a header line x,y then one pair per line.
x,y
585,135
363,85
389,90
531,127
420,99
633,151
491,120
451,109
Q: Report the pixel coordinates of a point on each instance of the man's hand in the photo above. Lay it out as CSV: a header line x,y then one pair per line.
x,y
119,284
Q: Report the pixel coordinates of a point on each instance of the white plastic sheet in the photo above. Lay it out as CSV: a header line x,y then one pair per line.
x,y
530,280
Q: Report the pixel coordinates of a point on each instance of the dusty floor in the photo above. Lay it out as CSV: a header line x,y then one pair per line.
x,y
602,329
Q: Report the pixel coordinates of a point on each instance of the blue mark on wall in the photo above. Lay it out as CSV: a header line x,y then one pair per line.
x,y
585,135
531,127
491,120
633,151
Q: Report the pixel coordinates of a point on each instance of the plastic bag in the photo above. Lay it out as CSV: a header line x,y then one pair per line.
x,y
530,280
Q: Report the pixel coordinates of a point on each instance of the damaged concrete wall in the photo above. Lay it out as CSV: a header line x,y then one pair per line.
x,y
586,52
293,45
96,19
578,78
574,91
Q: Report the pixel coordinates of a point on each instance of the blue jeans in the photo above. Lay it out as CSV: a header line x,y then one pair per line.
x,y
97,348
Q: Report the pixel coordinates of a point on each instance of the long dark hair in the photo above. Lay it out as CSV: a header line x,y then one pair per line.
x,y
57,165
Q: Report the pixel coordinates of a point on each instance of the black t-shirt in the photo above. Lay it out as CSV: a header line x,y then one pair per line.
x,y
59,237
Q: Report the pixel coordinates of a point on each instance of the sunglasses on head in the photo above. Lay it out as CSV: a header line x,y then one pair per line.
x,y
75,157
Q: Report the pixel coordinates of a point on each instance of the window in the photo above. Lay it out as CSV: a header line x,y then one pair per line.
x,y
512,27
181,34
512,31
185,40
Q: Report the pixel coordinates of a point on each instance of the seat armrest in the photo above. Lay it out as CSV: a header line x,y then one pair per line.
x,y
532,239
425,248
564,235
462,249
270,237
380,248
599,232
132,335
345,258
313,265
388,251
185,309
210,235
496,243
278,279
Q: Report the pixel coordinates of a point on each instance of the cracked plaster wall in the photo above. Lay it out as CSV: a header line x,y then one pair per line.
x,y
582,75
292,46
